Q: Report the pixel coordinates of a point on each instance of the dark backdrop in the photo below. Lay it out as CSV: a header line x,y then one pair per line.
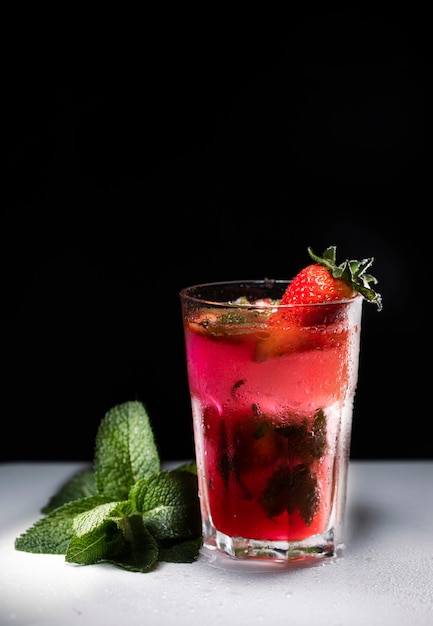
x,y
147,152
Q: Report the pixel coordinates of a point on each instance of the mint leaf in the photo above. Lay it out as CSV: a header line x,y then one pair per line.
x,y
52,534
102,543
296,435
223,457
89,520
140,551
95,534
188,467
81,485
276,496
181,551
317,442
306,493
305,443
125,450
290,489
169,504
127,511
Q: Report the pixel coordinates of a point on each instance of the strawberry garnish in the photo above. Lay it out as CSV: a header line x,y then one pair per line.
x,y
326,282
313,284
299,327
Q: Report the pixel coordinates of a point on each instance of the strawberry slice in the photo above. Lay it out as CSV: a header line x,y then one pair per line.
x,y
285,341
282,341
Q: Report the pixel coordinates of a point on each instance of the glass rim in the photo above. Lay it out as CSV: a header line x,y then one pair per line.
x,y
266,282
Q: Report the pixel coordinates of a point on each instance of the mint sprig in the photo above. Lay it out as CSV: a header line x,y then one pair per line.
x,y
127,510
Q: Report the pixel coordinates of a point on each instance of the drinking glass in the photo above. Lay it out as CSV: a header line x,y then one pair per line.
x,y
272,389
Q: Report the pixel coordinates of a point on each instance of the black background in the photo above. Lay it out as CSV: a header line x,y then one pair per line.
x,y
149,151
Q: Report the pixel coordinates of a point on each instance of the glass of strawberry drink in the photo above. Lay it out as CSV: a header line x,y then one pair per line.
x,y
272,370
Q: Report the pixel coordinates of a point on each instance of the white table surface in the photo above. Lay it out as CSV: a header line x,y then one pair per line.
x,y
385,575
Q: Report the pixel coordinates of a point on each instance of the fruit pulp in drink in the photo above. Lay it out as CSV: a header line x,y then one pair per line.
x,y
271,412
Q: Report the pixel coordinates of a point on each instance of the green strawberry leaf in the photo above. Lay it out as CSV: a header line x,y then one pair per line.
x,y
125,450
353,272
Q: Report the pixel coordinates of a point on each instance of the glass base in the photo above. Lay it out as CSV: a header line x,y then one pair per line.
x,y
311,549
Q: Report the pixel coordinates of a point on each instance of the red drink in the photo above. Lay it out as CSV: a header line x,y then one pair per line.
x,y
272,409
